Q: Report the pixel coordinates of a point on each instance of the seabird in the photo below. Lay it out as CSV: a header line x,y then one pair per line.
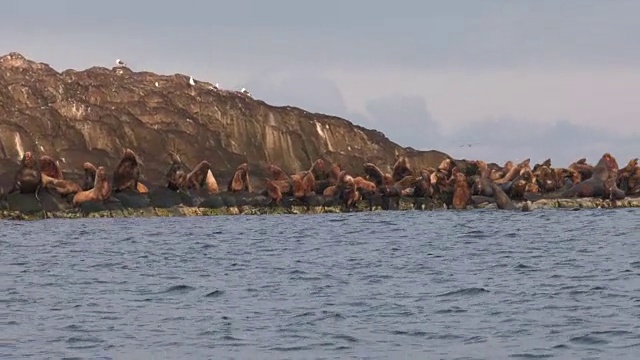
x,y
216,86
120,62
245,91
191,82
157,85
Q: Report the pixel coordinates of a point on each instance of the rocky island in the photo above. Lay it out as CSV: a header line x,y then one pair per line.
x,y
143,129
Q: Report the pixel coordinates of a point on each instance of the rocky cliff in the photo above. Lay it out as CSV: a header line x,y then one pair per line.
x,y
91,115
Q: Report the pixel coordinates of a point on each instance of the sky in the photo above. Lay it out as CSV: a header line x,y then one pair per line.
x,y
494,79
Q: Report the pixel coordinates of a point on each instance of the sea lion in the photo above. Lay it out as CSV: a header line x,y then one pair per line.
x,y
99,192
318,170
502,200
423,187
496,174
275,173
625,174
446,166
546,179
546,163
28,178
364,185
127,173
62,187
515,171
307,183
585,170
461,193
177,174
89,176
50,168
273,192
401,169
348,192
374,174
594,186
201,177
240,180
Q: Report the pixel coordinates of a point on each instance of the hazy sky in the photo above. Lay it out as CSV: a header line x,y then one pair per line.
x,y
512,78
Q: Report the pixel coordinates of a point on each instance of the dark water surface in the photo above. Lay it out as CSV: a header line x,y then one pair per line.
x,y
386,285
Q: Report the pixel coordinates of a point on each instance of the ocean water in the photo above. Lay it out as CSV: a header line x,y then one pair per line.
x,y
385,285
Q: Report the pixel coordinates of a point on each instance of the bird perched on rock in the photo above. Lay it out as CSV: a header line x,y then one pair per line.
x,y
191,81
245,91
120,62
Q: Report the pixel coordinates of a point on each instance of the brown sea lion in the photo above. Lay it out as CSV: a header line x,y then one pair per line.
x,y
298,186
334,174
275,173
461,192
100,191
481,186
374,174
363,185
330,191
483,169
318,170
406,182
594,186
127,173
273,192
585,170
50,168
446,166
28,178
349,193
177,174
401,169
240,180
546,179
62,187
502,200
423,187
89,176
624,175
633,184
308,181
496,174
515,171
546,163
201,177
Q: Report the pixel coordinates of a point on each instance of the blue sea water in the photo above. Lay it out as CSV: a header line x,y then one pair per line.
x,y
385,285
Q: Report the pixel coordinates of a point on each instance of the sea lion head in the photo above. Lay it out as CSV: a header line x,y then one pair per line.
x,y
610,162
28,160
175,158
244,167
88,166
101,173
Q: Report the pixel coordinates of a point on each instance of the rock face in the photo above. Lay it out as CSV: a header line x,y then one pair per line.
x,y
92,115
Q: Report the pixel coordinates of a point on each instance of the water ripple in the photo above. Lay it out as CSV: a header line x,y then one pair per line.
x,y
454,285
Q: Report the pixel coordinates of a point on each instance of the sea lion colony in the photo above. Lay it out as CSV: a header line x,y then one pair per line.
x,y
454,184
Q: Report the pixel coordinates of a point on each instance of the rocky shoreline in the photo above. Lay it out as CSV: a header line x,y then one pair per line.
x,y
406,204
